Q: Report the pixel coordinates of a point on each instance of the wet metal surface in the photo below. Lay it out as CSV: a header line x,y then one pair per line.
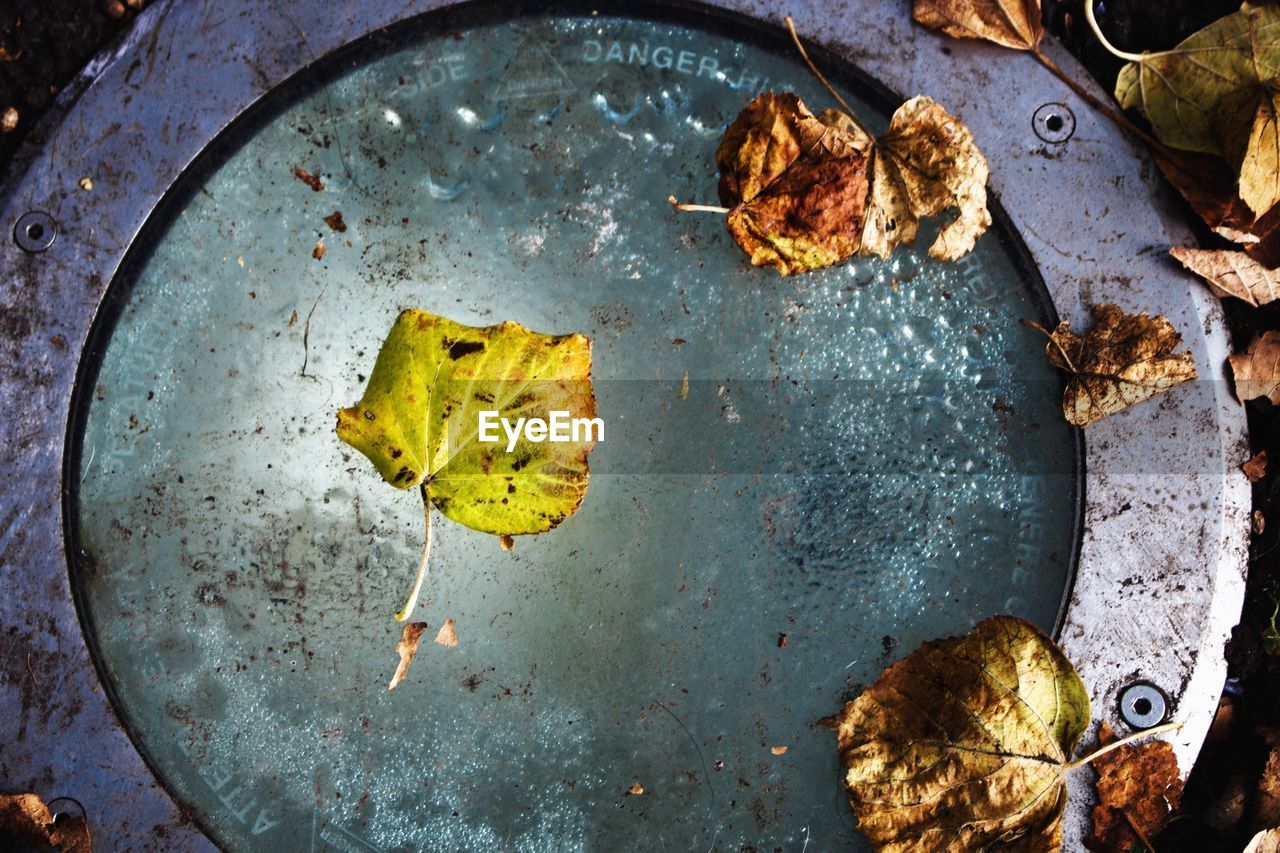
x,y
864,457
1166,508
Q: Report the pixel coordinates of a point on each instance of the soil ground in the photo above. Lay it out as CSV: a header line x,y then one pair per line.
x,y
43,43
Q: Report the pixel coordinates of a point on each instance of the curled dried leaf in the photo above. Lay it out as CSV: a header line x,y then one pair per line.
x,y
1257,369
964,743
1124,359
1138,789
1231,274
1267,841
410,637
925,163
1011,23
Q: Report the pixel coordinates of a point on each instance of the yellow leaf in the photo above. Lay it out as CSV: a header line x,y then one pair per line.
x,y
1011,23
1124,359
1182,91
1231,274
1260,166
964,743
1257,370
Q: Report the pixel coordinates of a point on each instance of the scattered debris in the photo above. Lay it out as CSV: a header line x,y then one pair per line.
x,y
779,750
334,221
318,251
506,541
309,179
635,790
684,386
9,120
86,183
448,634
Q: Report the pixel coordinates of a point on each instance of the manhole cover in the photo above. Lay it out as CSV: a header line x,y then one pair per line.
x,y
865,458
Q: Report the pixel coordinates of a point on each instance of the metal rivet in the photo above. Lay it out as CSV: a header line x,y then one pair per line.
x,y
1054,122
35,231
1142,705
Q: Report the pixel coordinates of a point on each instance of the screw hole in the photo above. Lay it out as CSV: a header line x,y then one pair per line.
x,y
1142,705
1054,123
35,231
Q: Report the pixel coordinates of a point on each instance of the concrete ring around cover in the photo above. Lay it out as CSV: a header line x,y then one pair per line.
x,y
1160,576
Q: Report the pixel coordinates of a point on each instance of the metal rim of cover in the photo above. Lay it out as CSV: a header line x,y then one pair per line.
x,y
1162,555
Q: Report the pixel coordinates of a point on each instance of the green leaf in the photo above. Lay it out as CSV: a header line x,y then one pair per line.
x,y
1223,68
419,421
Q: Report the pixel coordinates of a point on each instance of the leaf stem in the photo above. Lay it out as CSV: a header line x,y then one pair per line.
x,y
1096,754
407,610
705,208
1108,46
804,54
1042,330
1137,830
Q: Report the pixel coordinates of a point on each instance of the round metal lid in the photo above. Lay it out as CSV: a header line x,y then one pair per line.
x,y
1144,607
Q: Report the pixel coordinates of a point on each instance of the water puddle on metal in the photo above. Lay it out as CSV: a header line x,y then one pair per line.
x,y
867,457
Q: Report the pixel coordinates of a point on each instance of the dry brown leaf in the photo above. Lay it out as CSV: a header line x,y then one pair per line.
x,y
1257,369
794,203
1138,787
925,163
1231,274
1124,359
318,251
1210,188
1012,23
1259,165
1256,468
802,192
334,221
1266,802
26,819
309,179
506,542
448,634
410,637
964,743
1265,842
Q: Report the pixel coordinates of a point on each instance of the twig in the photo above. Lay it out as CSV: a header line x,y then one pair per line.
x,y
30,670
706,208
1042,330
705,771
823,80
1095,755
306,331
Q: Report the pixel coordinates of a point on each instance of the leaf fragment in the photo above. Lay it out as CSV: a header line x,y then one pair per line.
x,y
1011,23
964,743
1232,274
1257,369
1124,359
1256,468
1267,841
406,648
447,636
1139,788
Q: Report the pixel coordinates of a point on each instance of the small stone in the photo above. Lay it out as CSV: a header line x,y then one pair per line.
x,y
9,121
86,183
